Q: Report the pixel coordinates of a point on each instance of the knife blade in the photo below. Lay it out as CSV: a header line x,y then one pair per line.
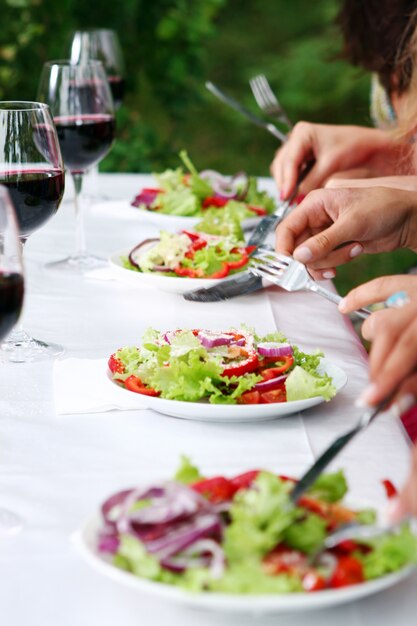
x,y
243,284
311,475
234,104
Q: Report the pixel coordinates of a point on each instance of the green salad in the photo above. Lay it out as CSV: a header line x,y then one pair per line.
x,y
189,193
190,255
225,367
242,535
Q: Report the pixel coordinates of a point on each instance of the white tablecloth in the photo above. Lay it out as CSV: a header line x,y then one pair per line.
x,y
55,470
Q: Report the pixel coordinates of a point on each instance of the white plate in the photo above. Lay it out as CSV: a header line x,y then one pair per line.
x,y
124,210
85,542
204,411
173,284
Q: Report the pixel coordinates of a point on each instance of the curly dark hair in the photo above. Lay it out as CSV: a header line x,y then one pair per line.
x,y
377,34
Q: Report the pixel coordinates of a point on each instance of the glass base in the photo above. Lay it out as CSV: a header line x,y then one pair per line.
x,y
19,347
10,522
77,264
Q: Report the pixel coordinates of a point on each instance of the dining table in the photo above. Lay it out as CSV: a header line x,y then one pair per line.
x,y
57,467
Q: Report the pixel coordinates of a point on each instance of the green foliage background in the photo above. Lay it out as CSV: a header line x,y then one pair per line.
x,y
171,47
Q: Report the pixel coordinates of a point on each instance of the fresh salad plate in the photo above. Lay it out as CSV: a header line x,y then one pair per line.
x,y
239,413
122,209
172,284
234,375
237,545
183,196
179,262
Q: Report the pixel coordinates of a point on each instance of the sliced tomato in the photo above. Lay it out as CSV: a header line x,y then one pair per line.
x,y
243,367
221,273
133,383
217,489
187,271
272,372
250,397
214,201
349,571
258,210
274,395
282,559
334,513
243,481
313,581
115,364
390,489
197,244
244,258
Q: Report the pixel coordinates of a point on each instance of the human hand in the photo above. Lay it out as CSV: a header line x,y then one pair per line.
x,y
332,226
397,182
393,354
334,148
406,502
378,290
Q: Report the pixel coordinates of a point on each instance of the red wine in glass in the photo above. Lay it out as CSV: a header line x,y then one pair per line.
x,y
84,139
32,172
11,300
82,107
36,195
117,86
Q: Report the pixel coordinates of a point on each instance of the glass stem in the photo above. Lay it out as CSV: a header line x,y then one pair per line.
x,y
18,335
80,246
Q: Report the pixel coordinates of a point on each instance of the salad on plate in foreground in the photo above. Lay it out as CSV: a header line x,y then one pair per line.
x,y
223,367
191,193
242,535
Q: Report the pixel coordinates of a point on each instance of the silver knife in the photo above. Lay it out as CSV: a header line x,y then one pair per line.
x,y
310,477
234,104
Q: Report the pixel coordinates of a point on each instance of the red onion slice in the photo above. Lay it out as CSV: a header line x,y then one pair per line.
x,y
272,349
269,385
212,339
145,198
201,527
134,250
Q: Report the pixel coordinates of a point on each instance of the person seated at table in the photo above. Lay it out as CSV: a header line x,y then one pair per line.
x,y
379,35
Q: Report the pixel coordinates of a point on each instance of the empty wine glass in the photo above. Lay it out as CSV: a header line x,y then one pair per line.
x,y
82,108
32,170
11,300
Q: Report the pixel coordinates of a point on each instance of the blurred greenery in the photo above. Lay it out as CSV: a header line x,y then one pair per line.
x,y
171,47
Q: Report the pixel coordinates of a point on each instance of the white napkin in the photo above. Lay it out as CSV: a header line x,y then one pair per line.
x,y
82,386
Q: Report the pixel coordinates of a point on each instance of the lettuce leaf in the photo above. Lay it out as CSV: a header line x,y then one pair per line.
x,y
330,487
389,553
301,385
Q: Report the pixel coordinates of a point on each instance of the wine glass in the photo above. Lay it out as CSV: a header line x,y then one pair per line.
x,y
32,170
82,108
102,45
11,300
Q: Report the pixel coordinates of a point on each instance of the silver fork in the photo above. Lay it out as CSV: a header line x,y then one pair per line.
x,y
292,275
267,100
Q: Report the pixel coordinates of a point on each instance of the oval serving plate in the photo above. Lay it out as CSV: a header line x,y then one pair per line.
x,y
85,542
239,413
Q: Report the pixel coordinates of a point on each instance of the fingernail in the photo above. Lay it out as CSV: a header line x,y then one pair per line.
x,y
367,396
393,510
329,274
356,251
303,254
342,305
397,300
282,195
